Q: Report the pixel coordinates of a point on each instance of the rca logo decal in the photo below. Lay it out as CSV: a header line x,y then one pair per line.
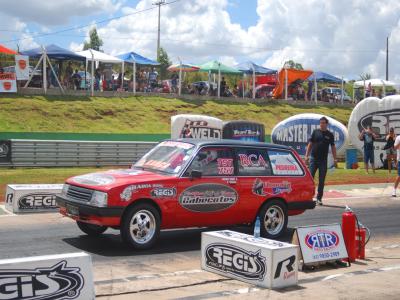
x,y
37,201
236,261
56,282
289,262
264,188
322,240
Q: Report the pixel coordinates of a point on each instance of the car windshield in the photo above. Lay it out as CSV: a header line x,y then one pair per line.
x,y
168,157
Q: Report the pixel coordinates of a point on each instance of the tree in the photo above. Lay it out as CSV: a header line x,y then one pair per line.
x,y
290,64
95,42
365,76
164,61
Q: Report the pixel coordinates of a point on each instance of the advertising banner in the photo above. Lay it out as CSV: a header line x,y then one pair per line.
x,y
262,262
5,151
244,131
22,67
30,198
61,276
381,115
296,131
196,127
8,83
320,243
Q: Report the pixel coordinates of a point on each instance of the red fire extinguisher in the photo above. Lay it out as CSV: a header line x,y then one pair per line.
x,y
361,234
349,233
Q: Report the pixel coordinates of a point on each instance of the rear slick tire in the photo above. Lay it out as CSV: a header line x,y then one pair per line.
x,y
274,219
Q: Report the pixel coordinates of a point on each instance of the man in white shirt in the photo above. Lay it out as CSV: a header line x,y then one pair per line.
x,y
397,147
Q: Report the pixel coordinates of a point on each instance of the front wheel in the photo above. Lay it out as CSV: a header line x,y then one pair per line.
x,y
273,219
91,229
140,226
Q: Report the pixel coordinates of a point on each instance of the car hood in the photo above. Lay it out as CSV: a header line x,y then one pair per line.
x,y
105,181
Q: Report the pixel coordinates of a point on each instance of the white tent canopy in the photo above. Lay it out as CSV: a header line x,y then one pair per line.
x,y
374,82
97,56
91,54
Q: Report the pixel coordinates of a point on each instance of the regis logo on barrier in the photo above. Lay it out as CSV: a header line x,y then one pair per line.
x,y
322,240
236,261
56,282
37,201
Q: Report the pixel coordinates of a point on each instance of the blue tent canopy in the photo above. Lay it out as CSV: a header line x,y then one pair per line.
x,y
54,52
248,67
132,57
324,77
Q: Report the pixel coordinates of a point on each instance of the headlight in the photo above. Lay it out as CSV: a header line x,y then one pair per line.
x,y
99,199
65,189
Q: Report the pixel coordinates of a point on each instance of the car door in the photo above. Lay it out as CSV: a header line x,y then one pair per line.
x,y
212,198
254,171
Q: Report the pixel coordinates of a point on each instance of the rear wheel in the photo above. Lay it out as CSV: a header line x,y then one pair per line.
x,y
140,226
274,218
91,229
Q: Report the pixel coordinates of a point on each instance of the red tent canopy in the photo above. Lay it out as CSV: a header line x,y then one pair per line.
x,y
5,50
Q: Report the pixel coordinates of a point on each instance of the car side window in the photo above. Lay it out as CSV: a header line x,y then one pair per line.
x,y
284,163
213,161
253,162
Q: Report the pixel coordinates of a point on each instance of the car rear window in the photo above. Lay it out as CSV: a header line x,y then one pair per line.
x,y
284,163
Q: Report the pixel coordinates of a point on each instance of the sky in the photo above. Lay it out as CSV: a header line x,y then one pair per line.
x,y
341,37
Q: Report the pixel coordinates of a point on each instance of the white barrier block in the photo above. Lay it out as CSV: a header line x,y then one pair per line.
x,y
27,198
262,262
61,276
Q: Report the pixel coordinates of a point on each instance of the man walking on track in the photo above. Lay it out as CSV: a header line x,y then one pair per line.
x,y
318,147
397,147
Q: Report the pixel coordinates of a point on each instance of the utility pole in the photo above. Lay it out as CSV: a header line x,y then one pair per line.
x,y
387,58
159,3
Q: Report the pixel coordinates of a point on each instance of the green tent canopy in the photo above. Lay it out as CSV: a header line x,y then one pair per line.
x,y
215,66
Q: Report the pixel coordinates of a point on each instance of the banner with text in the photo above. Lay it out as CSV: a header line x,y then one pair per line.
x,y
8,83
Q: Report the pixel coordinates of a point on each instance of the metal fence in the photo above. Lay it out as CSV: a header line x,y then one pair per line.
x,y
40,153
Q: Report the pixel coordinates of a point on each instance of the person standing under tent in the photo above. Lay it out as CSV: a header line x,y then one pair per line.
x,y
174,82
68,75
368,136
223,87
77,79
318,147
310,90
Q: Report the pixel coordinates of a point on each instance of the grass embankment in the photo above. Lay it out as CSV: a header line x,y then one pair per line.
x,y
58,175
136,114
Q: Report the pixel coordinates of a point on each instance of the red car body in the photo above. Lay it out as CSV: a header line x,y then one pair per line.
x,y
234,195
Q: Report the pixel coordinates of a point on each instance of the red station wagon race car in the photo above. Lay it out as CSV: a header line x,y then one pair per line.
x,y
192,183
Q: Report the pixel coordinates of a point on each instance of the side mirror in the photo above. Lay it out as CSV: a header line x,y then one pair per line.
x,y
195,174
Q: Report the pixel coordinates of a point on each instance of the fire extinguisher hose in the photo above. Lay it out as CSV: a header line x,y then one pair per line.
x,y
359,225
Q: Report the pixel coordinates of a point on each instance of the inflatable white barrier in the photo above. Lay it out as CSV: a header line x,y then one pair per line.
x,y
258,261
296,130
381,115
196,126
28,198
63,276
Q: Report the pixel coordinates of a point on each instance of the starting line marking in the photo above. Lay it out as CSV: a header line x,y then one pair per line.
x,y
301,281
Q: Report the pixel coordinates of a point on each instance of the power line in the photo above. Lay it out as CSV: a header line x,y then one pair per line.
x,y
86,25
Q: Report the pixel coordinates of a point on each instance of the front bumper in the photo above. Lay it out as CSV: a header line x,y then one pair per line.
x,y
104,216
